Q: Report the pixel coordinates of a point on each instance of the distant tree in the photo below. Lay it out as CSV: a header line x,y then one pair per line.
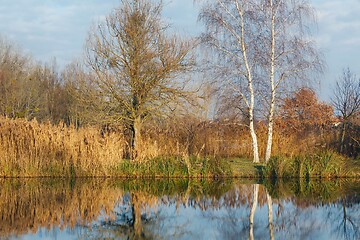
x,y
29,89
346,100
52,98
138,66
16,97
82,98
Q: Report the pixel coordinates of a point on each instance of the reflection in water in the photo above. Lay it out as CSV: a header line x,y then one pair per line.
x,y
253,209
270,215
29,204
178,209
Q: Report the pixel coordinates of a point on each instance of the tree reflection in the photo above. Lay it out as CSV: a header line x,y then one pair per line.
x,y
253,209
27,205
348,227
270,215
179,209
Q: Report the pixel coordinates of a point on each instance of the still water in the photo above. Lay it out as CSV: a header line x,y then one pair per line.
x,y
178,209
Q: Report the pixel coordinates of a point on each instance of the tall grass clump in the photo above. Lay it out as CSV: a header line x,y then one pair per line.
x,y
35,149
277,167
324,164
187,167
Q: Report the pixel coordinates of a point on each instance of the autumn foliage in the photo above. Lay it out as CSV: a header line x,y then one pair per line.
x,y
304,111
304,124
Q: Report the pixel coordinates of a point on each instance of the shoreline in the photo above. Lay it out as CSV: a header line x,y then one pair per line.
x,y
203,168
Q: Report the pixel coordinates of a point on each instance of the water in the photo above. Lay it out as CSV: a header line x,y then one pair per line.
x,y
178,209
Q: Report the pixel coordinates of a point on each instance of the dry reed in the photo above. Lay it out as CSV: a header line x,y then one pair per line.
x,y
36,149
41,149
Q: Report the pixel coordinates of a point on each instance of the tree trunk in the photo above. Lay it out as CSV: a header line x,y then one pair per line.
x,y
270,128
251,90
273,90
136,139
343,134
254,141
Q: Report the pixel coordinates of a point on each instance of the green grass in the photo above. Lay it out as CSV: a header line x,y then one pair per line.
x,y
325,164
321,165
174,167
242,167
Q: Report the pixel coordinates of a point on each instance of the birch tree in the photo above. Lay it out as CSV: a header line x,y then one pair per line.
x,y
228,32
261,44
290,53
137,65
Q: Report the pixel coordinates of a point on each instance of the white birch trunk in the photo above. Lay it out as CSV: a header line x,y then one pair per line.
x,y
251,89
270,125
273,89
254,138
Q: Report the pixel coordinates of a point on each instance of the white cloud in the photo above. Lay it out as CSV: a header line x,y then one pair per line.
x,y
51,28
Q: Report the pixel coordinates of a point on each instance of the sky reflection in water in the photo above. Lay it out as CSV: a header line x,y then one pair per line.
x,y
178,209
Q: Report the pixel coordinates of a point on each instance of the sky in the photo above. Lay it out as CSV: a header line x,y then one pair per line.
x,y
57,29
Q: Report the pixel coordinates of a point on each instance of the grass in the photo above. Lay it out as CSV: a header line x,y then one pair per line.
x,y
242,167
191,167
325,164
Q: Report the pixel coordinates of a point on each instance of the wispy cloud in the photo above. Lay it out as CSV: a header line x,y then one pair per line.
x,y
338,20
51,28
58,28
55,28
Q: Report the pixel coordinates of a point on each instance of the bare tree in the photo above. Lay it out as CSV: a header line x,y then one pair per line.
x,y
346,100
82,97
261,45
138,66
16,99
28,89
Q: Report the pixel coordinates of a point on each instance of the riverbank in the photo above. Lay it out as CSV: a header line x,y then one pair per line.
x,y
322,165
325,165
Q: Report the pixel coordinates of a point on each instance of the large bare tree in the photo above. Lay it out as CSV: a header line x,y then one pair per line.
x,y
139,67
261,45
346,100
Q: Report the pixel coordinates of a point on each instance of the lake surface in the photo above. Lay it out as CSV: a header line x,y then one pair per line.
x,y
178,209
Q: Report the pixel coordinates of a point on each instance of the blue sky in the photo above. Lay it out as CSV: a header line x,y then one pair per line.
x,y
49,29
